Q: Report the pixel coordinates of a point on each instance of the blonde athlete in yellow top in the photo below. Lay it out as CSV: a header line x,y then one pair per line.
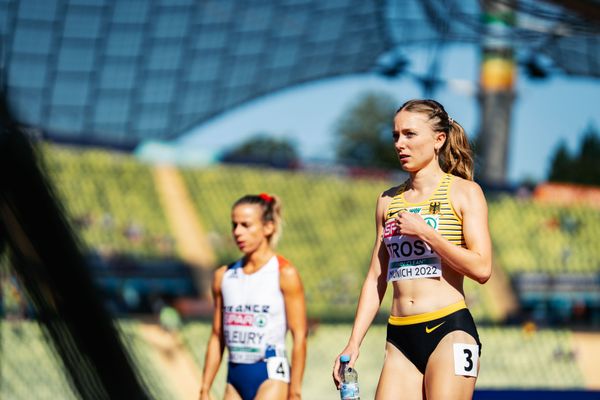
x,y
431,232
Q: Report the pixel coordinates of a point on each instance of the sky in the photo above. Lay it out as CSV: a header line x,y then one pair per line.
x,y
544,112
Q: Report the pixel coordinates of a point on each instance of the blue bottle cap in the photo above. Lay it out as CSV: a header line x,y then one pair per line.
x,y
345,358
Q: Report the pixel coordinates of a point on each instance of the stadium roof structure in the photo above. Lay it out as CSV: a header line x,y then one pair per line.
x,y
119,72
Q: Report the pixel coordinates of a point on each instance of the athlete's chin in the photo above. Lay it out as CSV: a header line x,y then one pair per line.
x,y
242,246
246,249
407,167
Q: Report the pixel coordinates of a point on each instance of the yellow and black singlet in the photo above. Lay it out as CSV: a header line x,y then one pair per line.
x,y
409,256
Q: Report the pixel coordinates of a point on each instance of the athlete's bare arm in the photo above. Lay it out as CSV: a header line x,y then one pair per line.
x,y
373,289
216,342
295,309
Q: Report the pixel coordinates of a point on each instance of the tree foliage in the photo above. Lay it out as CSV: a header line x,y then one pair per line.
x,y
264,149
582,167
364,132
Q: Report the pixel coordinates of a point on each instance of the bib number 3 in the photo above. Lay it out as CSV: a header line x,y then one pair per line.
x,y
278,369
466,359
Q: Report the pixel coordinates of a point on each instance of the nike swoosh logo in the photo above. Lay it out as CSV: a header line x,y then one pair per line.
x,y
429,330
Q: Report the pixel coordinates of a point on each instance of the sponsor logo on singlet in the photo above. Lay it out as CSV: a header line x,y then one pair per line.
x,y
244,319
409,256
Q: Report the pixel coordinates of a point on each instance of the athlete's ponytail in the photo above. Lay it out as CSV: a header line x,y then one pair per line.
x,y
455,155
271,212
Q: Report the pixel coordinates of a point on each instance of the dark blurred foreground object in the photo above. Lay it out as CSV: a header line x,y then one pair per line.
x,y
45,256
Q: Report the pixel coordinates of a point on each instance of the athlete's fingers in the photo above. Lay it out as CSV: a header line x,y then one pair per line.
x,y
337,379
335,374
399,216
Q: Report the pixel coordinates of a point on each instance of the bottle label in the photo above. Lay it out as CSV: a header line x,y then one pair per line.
x,y
349,391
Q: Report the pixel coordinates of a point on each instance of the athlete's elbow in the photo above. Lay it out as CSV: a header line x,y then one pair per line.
x,y
484,273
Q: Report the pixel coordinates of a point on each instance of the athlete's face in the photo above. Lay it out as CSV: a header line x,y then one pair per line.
x,y
249,231
415,141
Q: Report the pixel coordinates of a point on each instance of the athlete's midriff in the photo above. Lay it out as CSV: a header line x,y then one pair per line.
x,y
419,296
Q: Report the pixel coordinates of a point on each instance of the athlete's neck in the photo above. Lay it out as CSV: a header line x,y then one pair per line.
x,y
255,260
426,180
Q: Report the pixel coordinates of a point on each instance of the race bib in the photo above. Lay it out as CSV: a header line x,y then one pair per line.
x,y
278,368
466,358
409,256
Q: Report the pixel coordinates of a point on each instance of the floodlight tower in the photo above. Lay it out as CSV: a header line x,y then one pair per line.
x,y
496,95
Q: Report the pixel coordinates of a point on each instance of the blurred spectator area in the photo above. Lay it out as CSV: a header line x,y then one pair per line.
x,y
549,251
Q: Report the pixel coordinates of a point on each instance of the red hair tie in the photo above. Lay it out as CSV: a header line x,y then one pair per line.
x,y
266,197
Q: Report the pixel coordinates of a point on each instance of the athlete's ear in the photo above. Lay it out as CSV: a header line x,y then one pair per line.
x,y
439,140
269,228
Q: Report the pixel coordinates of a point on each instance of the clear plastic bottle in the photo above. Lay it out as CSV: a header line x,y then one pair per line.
x,y
349,384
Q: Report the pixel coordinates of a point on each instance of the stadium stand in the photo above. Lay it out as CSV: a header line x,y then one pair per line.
x,y
332,275
105,193
316,211
121,73
145,358
529,358
318,208
31,369
551,254
512,357
533,237
111,200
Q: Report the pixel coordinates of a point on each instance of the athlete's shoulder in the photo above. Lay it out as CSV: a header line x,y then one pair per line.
x,y
218,277
221,270
284,263
289,277
388,195
465,191
465,185
394,190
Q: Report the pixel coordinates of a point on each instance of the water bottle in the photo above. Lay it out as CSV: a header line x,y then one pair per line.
x,y
349,384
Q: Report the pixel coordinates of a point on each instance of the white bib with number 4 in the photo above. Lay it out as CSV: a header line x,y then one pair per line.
x,y
278,368
466,358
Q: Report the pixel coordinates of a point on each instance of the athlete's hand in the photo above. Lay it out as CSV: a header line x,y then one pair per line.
x,y
353,353
205,395
411,224
294,395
